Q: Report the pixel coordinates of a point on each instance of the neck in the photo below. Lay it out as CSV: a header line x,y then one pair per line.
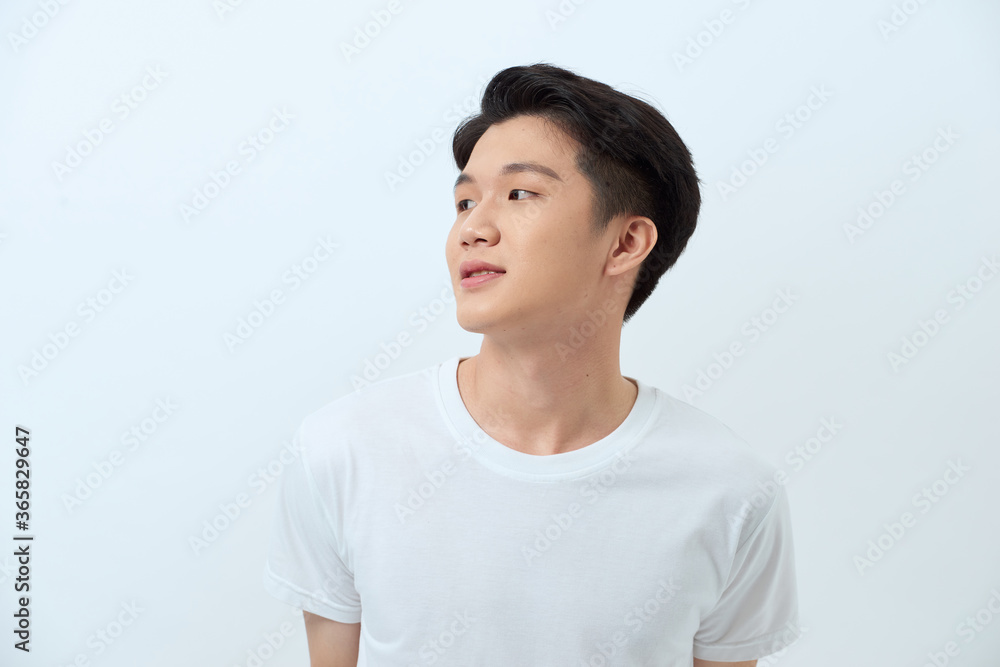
x,y
542,404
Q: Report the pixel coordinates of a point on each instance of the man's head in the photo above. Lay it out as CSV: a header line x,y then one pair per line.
x,y
615,213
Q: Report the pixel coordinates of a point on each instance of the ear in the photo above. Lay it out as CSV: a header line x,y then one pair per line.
x,y
633,241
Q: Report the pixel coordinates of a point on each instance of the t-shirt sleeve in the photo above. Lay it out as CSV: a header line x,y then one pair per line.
x,y
757,613
303,566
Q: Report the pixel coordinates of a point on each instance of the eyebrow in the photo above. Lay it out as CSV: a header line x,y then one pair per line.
x,y
514,168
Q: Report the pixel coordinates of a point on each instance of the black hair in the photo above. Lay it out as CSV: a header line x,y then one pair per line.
x,y
633,158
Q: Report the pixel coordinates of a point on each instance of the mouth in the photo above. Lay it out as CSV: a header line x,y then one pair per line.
x,y
479,277
484,272
478,268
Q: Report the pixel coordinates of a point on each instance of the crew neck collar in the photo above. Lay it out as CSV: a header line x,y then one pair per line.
x,y
513,463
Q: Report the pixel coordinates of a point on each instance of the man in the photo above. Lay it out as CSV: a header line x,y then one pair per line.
x,y
529,505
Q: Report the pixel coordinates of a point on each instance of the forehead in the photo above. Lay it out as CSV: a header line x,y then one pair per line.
x,y
526,139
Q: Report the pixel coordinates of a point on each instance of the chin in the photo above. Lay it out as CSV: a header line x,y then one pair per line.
x,y
473,323
473,327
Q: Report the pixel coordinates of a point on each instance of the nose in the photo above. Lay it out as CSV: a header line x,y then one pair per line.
x,y
478,227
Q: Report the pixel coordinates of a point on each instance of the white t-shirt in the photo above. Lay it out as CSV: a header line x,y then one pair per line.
x,y
664,540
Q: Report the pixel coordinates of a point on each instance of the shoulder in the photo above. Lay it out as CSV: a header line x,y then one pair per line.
x,y
711,438
713,454
380,408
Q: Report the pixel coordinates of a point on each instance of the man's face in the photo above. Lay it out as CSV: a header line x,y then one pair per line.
x,y
533,226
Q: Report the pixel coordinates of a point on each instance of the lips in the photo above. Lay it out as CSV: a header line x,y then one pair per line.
x,y
481,279
472,266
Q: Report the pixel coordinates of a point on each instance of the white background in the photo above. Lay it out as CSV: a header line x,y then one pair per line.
x,y
162,336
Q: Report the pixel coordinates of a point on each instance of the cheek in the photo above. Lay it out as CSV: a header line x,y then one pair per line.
x,y
551,267
570,267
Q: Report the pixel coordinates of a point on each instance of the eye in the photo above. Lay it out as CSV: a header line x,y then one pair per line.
x,y
527,191
460,207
